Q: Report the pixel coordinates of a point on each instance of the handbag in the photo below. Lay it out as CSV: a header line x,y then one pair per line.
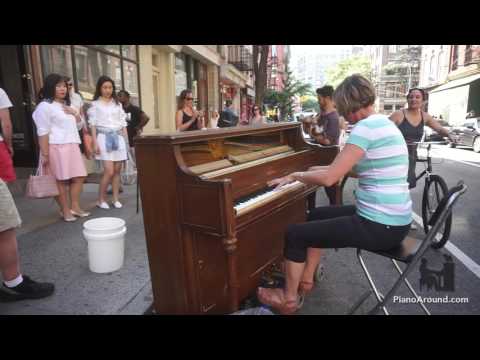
x,y
42,184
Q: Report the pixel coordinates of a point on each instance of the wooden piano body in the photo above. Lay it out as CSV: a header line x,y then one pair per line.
x,y
205,256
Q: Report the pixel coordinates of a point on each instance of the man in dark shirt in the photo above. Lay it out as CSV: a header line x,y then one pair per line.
x,y
228,117
327,131
136,118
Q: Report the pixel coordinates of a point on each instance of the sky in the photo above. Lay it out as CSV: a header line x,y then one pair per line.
x,y
297,50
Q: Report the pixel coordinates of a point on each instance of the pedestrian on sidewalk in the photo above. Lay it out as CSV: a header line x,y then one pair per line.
x,y
7,172
187,118
257,116
109,130
57,125
136,118
228,117
214,120
15,285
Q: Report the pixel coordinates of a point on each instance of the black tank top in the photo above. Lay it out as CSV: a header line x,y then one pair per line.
x,y
411,133
187,118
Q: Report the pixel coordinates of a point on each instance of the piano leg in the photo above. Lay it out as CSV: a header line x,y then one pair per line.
x,y
230,244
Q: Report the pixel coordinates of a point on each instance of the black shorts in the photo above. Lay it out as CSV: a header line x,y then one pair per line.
x,y
340,227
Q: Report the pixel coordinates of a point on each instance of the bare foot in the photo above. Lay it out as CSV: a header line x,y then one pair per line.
x,y
276,299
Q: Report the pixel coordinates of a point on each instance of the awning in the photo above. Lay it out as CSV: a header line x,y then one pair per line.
x,y
456,83
231,76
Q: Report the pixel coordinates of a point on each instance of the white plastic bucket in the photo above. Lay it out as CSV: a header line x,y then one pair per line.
x,y
106,243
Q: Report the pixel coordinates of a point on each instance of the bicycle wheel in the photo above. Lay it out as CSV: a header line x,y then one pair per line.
x,y
434,191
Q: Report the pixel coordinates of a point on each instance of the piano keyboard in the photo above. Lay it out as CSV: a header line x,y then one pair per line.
x,y
256,199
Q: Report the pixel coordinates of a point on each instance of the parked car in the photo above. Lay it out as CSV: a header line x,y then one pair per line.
x,y
468,134
432,135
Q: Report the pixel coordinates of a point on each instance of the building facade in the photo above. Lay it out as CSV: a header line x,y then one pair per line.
x,y
236,79
153,74
435,65
392,74
278,58
458,97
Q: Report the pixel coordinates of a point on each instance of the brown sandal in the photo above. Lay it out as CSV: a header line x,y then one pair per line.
x,y
284,307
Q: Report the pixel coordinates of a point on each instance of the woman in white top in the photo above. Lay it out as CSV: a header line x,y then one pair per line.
x,y
214,120
257,116
57,129
108,123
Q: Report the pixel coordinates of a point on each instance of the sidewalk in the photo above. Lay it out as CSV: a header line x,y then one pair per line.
x,y
53,250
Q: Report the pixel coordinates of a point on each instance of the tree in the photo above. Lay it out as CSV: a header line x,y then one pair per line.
x,y
284,99
310,103
353,65
260,57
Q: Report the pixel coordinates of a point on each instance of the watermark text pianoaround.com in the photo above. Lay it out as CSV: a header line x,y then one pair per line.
x,y
430,300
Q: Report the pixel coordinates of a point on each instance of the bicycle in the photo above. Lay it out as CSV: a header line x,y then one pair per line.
x,y
434,191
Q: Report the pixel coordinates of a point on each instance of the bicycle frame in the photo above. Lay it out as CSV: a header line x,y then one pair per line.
x,y
428,171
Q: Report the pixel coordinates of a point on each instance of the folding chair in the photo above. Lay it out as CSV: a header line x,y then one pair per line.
x,y
410,251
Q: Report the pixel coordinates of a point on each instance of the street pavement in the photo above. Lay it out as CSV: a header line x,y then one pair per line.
x,y
52,250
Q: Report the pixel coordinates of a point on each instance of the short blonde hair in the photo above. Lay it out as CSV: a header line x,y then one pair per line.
x,y
354,93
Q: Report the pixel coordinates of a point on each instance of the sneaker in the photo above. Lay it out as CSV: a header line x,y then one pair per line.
x,y
27,289
118,204
103,205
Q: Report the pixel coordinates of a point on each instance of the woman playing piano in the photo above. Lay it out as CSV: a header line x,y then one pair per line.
x,y
380,220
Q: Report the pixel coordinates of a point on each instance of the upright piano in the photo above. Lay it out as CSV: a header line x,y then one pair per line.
x,y
212,224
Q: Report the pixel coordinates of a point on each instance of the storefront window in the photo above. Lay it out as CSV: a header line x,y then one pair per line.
x,y
130,77
129,52
57,59
180,74
90,65
111,48
91,62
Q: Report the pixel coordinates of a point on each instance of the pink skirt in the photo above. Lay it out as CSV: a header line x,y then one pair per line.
x,y
66,161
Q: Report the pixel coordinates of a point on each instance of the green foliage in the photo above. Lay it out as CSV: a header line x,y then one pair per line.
x,y
310,102
284,99
353,65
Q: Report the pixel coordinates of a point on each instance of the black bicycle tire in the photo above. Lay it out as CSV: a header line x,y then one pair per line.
x,y
448,221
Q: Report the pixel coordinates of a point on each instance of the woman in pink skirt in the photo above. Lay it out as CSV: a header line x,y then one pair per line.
x,y
57,129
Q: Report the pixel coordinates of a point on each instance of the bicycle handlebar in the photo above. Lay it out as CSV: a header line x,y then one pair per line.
x,y
445,142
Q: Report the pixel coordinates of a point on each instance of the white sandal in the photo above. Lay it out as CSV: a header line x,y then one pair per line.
x,y
103,205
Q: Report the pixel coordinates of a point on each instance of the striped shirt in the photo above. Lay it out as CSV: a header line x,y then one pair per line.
x,y
382,195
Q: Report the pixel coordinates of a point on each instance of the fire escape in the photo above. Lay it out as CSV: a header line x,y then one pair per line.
x,y
240,56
